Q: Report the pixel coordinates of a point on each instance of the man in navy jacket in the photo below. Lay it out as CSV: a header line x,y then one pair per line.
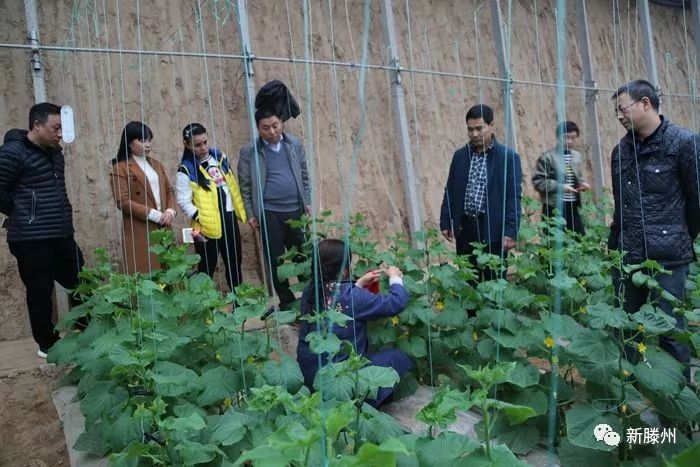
x,y
483,191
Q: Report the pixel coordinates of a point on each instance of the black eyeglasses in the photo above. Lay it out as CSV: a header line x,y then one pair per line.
x,y
623,110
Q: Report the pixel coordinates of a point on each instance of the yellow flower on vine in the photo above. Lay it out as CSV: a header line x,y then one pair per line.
x,y
641,348
218,357
227,402
208,321
624,408
439,305
251,359
549,342
475,336
394,320
640,328
626,373
162,286
583,282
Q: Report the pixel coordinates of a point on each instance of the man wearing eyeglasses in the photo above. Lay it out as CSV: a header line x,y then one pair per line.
x,y
657,209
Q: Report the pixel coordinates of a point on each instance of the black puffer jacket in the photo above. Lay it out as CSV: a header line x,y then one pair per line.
x,y
33,190
655,186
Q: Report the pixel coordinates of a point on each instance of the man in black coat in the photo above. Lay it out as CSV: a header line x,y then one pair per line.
x,y
657,209
483,192
40,224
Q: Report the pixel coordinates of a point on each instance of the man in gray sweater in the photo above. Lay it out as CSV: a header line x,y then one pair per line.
x,y
274,182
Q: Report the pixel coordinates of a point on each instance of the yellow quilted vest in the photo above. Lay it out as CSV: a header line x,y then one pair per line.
x,y
208,218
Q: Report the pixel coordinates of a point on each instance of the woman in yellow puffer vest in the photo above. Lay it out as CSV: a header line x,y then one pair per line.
x,y
208,194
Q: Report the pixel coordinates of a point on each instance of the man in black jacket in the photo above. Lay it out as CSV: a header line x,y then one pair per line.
x,y
657,209
483,192
40,224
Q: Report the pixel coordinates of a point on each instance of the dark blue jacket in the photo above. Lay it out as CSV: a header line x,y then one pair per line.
x,y
356,302
503,192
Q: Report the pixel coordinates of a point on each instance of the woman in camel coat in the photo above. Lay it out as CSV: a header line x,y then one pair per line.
x,y
144,195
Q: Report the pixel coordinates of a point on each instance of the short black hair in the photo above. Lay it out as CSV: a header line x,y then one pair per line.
x,y
567,127
263,113
40,113
192,130
639,89
481,111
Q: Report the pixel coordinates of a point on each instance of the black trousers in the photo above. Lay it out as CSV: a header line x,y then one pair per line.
x,y
470,232
571,215
228,247
40,263
631,298
277,235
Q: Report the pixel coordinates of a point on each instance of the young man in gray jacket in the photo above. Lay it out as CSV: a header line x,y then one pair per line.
x,y
657,209
562,166
274,183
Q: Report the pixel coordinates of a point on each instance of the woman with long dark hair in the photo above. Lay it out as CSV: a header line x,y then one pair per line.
x,y
208,193
144,195
331,287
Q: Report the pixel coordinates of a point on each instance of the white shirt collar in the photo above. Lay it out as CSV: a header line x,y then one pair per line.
x,y
275,147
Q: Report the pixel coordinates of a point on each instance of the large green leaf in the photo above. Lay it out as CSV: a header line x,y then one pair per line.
x,y
217,384
371,455
660,372
687,458
501,456
521,439
594,345
417,311
65,351
285,373
603,315
561,325
534,398
522,338
185,425
121,356
562,281
684,406
413,346
193,453
581,421
90,441
376,426
442,409
125,430
117,295
597,370
103,397
371,378
338,418
654,320
448,449
515,414
267,456
229,428
172,379
320,343
523,375
571,455
334,386
453,315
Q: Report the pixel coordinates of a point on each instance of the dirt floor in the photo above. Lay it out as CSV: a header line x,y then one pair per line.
x,y
30,432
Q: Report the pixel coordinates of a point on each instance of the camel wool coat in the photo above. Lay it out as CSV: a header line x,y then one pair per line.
x,y
135,199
